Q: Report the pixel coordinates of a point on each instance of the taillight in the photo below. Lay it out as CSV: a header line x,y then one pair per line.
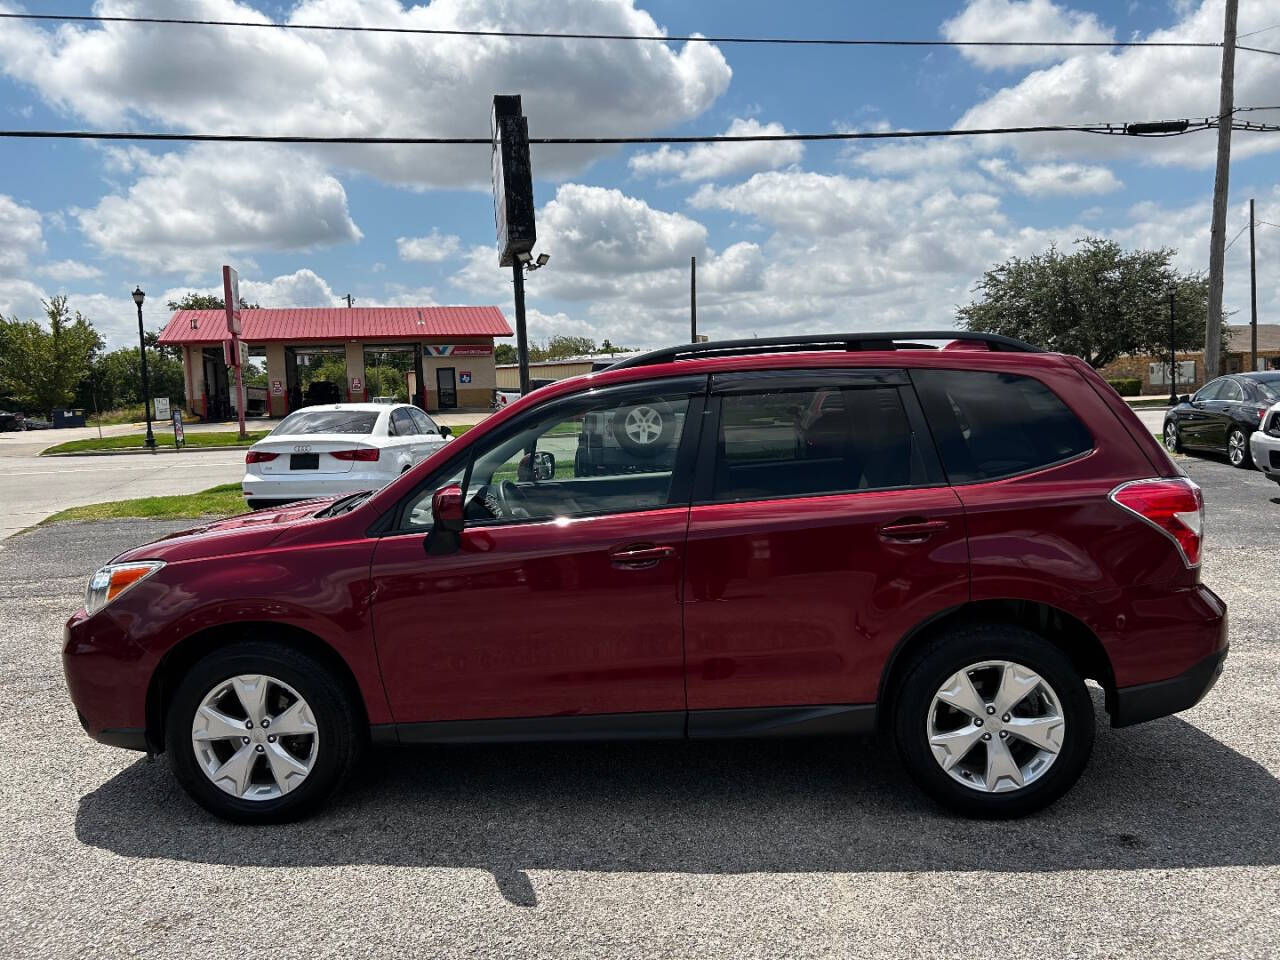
x,y
1262,414
364,454
259,456
1173,505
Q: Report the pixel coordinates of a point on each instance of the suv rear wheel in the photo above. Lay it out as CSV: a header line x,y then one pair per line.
x,y
992,720
260,733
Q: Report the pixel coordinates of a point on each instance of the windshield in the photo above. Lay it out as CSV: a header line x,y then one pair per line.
x,y
326,421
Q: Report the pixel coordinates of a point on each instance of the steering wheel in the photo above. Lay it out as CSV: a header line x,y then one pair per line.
x,y
512,500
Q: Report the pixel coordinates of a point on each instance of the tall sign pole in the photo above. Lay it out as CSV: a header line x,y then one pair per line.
x,y
513,208
693,299
1218,229
231,300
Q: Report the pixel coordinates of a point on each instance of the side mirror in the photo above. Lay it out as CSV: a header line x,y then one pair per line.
x,y
540,465
446,431
446,521
446,508
1184,398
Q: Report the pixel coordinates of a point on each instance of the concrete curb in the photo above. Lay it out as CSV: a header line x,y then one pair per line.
x,y
144,452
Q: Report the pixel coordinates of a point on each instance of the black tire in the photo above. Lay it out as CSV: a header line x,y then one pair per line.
x,y
340,738
659,442
1172,438
954,651
1246,458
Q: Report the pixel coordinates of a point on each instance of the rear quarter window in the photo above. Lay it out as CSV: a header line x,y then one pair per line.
x,y
989,425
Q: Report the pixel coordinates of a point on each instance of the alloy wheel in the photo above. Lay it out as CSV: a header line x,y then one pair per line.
x,y
995,726
1235,448
1171,437
255,737
643,425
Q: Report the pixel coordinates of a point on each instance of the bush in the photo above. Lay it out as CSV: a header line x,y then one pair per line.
x,y
1127,386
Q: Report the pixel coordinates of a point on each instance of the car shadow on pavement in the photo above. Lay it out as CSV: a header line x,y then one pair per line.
x,y
1161,795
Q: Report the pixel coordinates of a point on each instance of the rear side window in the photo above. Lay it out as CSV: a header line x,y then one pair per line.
x,y
791,443
402,423
990,425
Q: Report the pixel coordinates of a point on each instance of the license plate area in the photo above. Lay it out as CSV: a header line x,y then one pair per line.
x,y
304,461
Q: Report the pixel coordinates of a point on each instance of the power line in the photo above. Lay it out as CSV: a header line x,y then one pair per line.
x,y
1114,129
692,38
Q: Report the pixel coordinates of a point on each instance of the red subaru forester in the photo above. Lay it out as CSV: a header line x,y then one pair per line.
x,y
749,538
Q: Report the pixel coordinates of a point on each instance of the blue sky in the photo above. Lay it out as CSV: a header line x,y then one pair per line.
x,y
788,238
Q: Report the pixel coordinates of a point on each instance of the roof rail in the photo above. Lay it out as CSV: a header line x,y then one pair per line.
x,y
905,340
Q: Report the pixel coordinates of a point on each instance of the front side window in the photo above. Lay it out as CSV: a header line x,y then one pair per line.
x,y
990,425
594,455
424,423
809,442
1211,391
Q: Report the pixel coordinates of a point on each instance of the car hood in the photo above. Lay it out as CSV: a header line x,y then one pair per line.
x,y
248,531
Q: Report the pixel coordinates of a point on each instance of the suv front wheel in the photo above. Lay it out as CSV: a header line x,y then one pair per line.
x,y
993,721
260,733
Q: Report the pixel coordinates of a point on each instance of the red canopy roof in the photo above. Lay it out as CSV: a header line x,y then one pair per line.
x,y
300,324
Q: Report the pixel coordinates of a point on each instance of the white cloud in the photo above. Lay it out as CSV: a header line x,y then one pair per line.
x,y
302,288
1048,179
187,211
1141,83
21,235
69,270
21,299
432,248
308,82
711,161
1003,20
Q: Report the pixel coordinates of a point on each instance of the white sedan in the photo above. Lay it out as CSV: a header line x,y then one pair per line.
x,y
338,448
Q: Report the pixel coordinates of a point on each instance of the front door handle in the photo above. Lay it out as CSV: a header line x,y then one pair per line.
x,y
912,529
639,556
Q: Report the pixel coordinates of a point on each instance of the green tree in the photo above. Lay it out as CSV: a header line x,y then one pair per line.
x,y
206,301
114,379
559,347
1099,302
40,369
505,353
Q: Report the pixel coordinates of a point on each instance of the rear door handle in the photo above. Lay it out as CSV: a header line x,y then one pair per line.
x,y
912,530
638,556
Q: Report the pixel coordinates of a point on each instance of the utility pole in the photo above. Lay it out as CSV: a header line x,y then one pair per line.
x,y
1173,350
1253,295
348,299
1218,229
693,299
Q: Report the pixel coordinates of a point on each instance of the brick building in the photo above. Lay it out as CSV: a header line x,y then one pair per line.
x,y
1154,371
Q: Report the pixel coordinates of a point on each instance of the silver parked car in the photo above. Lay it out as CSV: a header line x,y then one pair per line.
x,y
1264,444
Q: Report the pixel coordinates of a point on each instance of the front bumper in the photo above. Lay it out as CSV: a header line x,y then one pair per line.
x,y
107,676
1149,701
1266,453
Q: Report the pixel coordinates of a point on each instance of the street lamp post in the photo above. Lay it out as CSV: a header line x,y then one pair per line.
x,y
1173,353
138,297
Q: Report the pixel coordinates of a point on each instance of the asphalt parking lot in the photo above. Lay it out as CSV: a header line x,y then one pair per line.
x,y
1169,846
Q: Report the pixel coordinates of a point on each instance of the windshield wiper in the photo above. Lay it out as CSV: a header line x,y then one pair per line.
x,y
346,504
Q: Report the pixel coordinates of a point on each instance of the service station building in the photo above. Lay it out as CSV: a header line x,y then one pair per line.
x,y
397,351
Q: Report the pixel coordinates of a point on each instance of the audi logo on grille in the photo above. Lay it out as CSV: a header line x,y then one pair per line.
x,y
302,448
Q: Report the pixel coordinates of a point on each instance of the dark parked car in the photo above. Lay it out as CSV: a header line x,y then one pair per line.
x,y
320,392
943,544
9,422
1222,415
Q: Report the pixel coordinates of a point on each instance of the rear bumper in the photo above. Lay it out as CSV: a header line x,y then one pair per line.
x,y
266,490
1149,701
1266,453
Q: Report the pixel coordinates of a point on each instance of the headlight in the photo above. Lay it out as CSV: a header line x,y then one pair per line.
x,y
114,579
